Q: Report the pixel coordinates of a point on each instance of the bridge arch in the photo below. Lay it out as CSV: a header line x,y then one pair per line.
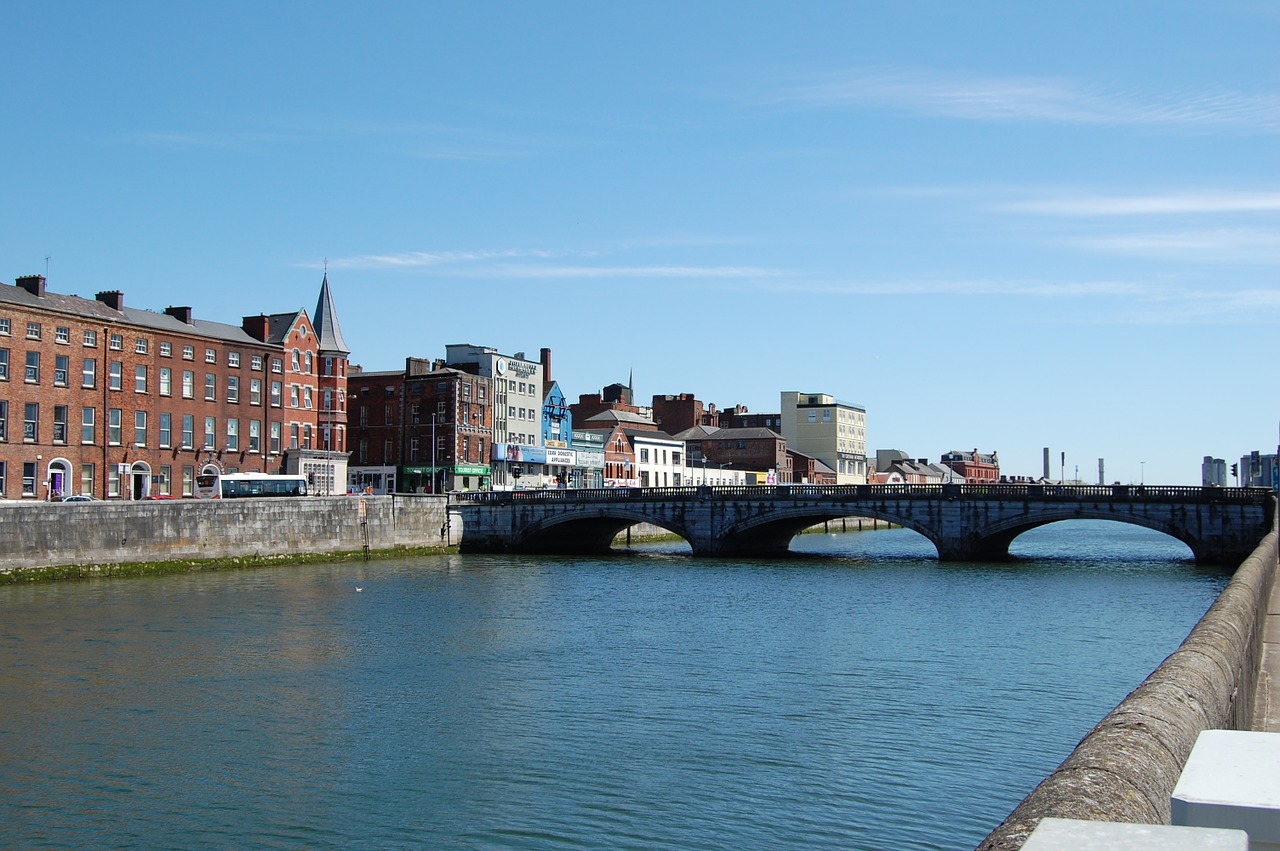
x,y
773,533
993,540
583,533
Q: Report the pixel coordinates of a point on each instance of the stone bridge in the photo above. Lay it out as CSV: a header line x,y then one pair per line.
x,y
964,522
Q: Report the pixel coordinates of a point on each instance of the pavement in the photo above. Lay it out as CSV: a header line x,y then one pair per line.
x,y
1266,705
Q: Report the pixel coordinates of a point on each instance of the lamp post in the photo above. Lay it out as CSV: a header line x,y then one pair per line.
x,y
434,477
1142,474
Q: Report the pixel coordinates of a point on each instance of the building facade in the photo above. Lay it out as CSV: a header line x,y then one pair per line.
x,y
834,432
977,468
425,429
120,403
517,404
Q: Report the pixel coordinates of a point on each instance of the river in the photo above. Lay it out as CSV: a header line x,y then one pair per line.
x,y
858,695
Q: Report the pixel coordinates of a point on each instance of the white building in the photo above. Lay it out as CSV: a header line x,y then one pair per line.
x,y
832,431
517,404
659,459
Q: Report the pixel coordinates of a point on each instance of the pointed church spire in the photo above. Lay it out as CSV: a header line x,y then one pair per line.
x,y
325,321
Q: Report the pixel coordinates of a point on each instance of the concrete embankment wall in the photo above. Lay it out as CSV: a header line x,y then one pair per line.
x,y
38,535
1125,769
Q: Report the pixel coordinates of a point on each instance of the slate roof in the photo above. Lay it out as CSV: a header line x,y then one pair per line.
x,y
325,323
93,309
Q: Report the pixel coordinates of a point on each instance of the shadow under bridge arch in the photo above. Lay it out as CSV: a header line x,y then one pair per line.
x,y
593,533
771,534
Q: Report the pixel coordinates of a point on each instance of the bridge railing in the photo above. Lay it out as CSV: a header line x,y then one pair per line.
x,y
853,493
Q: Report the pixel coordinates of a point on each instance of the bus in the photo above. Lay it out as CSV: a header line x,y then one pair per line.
x,y
235,485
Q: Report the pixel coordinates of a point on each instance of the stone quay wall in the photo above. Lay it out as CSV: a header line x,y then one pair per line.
x,y
1125,769
39,534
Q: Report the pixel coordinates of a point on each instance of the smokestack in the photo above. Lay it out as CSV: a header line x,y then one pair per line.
x,y
546,364
1046,462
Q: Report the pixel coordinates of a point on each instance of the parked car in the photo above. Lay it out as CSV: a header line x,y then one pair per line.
x,y
78,498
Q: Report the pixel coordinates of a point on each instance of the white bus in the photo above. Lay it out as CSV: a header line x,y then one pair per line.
x,y
235,485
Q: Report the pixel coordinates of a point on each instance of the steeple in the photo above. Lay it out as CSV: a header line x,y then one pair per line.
x,y
325,323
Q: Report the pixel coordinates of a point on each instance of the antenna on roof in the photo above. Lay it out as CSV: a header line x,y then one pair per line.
x,y
47,257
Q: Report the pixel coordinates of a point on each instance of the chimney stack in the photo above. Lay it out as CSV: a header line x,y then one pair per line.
x,y
113,299
546,364
33,284
182,314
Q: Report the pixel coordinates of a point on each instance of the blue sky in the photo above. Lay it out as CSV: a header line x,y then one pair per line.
x,y
1002,225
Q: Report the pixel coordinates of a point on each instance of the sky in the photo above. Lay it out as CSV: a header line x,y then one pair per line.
x,y
993,225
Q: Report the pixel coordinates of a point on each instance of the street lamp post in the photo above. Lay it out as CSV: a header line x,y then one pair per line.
x,y
434,477
1142,475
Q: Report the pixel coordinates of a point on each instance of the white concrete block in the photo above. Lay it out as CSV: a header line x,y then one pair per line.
x,y
1232,779
1056,834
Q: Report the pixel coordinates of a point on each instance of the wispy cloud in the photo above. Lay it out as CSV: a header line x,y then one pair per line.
x,y
1029,99
1220,245
1147,205
966,287
498,265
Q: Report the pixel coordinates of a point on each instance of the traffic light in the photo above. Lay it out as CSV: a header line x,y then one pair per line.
x,y
1235,469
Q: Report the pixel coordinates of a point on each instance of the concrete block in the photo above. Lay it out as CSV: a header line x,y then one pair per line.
x,y
1232,780
1056,834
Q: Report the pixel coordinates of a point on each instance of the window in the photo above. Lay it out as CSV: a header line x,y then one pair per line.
x,y
210,356
4,325
644,455
255,363
233,359
188,431
140,379
166,381
277,365
116,342
140,428
86,479
188,384
29,478
33,368
4,364
255,391
255,436
30,422
293,435
166,350
33,330
166,480
295,361
210,387
140,345
310,368
62,334
826,416
59,423
274,448
210,433
188,476
275,394
233,433
328,366
166,430
233,388
327,404
91,339
4,420
114,377
188,352
813,416
114,426
293,395
61,369
113,480
306,397
89,372
87,425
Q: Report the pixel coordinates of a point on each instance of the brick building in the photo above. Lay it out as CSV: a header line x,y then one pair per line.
x,y
976,467
124,403
427,428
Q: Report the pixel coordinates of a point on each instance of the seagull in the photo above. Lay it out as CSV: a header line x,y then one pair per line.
x,y
359,590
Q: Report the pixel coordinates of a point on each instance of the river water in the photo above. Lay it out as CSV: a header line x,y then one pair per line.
x,y
860,695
